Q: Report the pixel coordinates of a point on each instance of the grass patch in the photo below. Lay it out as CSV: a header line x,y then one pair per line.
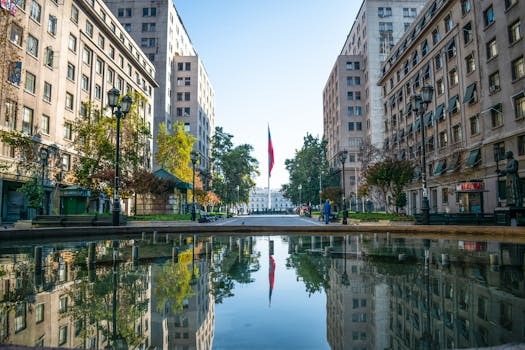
x,y
161,217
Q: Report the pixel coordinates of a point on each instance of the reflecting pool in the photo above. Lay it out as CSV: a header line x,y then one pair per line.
x,y
275,292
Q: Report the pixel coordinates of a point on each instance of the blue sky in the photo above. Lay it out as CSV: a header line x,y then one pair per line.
x,y
268,62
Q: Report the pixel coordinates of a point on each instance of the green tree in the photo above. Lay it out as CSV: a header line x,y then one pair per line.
x,y
234,167
389,177
173,150
306,168
173,286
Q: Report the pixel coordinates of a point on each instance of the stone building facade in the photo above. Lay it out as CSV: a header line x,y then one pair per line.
x,y
471,52
68,53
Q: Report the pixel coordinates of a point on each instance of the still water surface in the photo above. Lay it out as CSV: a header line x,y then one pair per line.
x,y
274,292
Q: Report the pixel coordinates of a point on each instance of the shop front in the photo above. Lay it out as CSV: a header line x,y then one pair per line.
x,y
74,200
470,196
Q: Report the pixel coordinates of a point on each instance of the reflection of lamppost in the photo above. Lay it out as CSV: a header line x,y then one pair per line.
x,y
344,277
237,187
496,158
427,333
342,158
300,188
122,109
44,154
194,156
419,104
119,343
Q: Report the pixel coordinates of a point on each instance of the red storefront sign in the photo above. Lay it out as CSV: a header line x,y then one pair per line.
x,y
470,187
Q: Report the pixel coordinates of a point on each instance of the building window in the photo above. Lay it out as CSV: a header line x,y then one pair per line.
x,y
465,7
456,133
518,68
69,101
74,14
101,41
521,145
436,37
30,84
68,131
496,113
86,55
492,49
47,91
519,105
32,45
453,77
186,96
62,335
89,29
494,84
451,50
17,34
52,25
66,165
187,81
99,66
350,111
49,56
179,112
27,121
20,317
39,312
440,87
438,61
467,33
444,195
70,71
510,3
187,111
98,92
72,43
45,124
84,82
424,48
350,126
514,32
488,16
449,23
470,63
35,11
11,111
474,125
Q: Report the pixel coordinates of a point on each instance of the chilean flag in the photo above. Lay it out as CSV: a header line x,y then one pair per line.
x,y
270,153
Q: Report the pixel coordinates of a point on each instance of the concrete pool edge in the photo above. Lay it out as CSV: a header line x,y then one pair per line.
x,y
499,233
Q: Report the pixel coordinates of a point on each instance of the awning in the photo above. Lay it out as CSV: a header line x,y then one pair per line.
x,y
454,163
75,191
440,167
469,95
416,125
439,112
166,175
474,158
452,103
428,119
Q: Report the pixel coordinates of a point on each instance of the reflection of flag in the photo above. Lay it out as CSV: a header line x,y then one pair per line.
x,y
270,153
271,278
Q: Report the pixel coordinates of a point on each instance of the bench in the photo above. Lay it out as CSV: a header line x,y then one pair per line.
x,y
74,220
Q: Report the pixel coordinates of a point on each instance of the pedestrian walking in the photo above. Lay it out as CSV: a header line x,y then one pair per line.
x,y
326,211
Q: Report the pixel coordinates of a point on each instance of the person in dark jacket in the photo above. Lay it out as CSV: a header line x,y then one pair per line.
x,y
326,211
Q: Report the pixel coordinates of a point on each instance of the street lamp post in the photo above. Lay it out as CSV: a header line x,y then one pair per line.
x,y
300,188
121,110
44,155
194,156
342,158
419,104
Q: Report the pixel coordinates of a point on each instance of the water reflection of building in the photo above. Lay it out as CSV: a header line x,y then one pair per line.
x,y
464,300
357,302
194,327
45,300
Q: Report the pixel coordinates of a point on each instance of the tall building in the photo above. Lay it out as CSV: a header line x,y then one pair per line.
x,y
159,30
472,53
352,101
68,53
378,26
343,117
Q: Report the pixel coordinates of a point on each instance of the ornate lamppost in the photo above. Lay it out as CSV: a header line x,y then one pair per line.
x,y
342,158
194,156
419,104
119,110
44,155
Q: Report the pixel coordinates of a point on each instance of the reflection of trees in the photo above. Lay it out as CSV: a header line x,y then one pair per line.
x,y
230,266
91,306
172,286
312,269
